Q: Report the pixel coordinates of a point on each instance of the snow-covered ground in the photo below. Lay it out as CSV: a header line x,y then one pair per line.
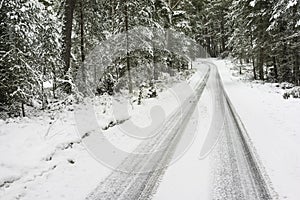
x,y
44,158
272,123
189,177
39,160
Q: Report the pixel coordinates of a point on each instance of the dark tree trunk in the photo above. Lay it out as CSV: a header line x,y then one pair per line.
x,y
241,64
43,92
253,59
154,60
285,72
296,50
23,109
296,68
155,72
54,81
223,39
213,47
261,54
82,33
275,69
261,64
254,69
67,33
127,49
82,42
208,45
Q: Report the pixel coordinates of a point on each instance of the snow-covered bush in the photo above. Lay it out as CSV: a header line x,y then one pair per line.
x,y
295,93
146,91
286,95
106,85
286,85
152,92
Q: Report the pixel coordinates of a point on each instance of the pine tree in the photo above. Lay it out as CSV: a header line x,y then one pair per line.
x,y
284,29
29,52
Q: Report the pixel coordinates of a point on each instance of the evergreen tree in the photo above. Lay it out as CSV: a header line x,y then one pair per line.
x,y
28,52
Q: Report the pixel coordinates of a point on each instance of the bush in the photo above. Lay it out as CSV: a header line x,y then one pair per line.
x,y
106,85
295,93
286,95
286,85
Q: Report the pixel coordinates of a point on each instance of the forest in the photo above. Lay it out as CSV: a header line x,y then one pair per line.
x,y
45,43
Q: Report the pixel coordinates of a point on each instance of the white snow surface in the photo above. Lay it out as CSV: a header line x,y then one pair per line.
x,y
273,125
189,177
43,157
35,160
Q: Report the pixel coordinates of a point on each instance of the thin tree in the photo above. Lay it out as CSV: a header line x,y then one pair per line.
x,y
127,48
67,37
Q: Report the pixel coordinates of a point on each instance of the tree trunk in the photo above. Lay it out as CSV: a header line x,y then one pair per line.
x,y
296,50
82,42
296,68
261,64
254,69
23,109
275,69
169,43
223,40
154,60
127,49
213,47
43,90
253,59
82,33
241,64
155,72
67,33
261,38
54,81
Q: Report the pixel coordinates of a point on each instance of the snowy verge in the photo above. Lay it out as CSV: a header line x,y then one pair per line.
x,y
272,124
42,158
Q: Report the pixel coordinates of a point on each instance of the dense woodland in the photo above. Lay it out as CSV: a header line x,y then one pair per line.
x,y
47,41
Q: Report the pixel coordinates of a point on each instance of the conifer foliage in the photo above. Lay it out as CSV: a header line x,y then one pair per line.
x,y
44,43
29,52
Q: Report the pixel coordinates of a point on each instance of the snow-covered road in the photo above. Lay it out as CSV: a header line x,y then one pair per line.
x,y
141,172
228,161
237,171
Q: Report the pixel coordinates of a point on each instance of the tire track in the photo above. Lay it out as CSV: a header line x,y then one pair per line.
x,y
238,172
131,185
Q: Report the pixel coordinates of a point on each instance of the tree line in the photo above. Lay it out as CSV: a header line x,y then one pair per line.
x,y
47,41
264,33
